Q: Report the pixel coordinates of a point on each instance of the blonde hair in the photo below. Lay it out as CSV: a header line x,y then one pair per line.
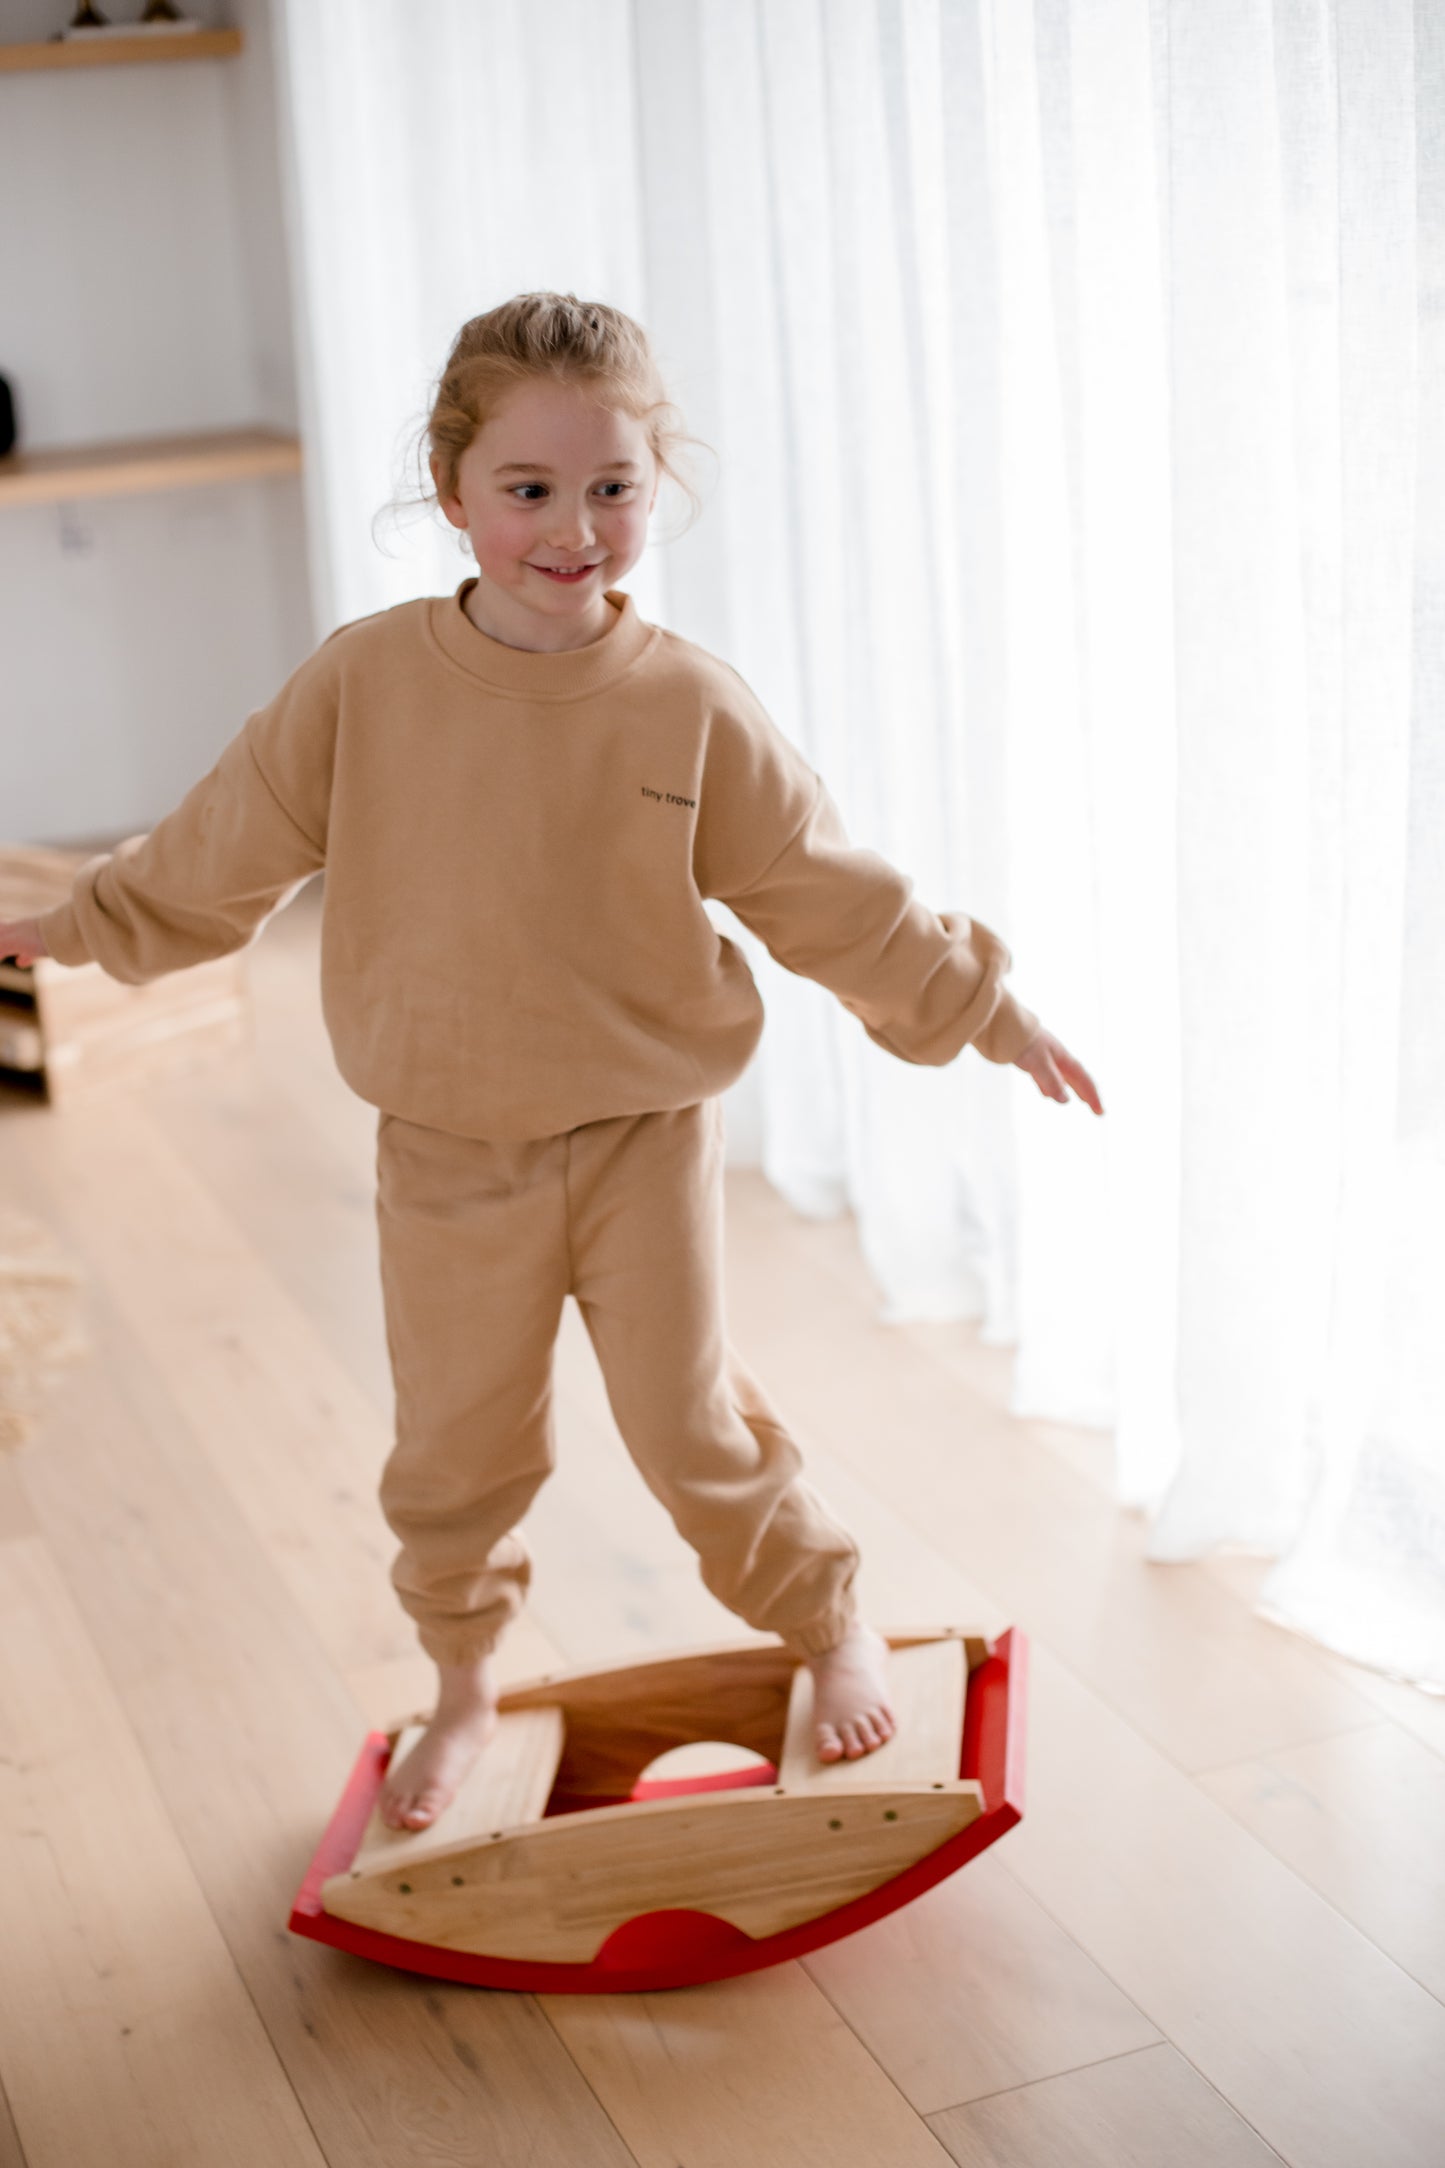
x,y
551,338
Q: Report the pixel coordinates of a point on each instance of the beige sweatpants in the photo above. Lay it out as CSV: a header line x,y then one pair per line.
x,y
480,1242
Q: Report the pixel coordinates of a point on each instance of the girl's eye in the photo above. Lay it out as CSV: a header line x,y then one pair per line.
x,y
542,485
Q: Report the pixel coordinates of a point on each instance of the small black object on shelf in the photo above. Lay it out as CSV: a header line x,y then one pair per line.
x,y
7,418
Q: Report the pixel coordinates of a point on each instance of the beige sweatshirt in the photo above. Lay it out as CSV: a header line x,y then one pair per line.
x,y
517,847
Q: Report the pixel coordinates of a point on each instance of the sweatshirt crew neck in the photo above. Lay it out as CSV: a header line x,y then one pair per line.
x,y
573,674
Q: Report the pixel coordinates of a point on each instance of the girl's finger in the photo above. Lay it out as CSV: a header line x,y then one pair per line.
x,y
1081,1080
1087,1090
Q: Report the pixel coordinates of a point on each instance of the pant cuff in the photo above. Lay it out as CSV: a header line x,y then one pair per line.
x,y
824,1632
444,1649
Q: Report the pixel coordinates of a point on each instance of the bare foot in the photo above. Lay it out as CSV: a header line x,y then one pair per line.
x,y
851,1710
425,1782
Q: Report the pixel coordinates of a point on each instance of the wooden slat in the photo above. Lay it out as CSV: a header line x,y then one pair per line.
x,y
1359,1817
139,465
119,51
750,2073
619,1720
20,1042
506,1787
557,1891
974,1990
1147,2107
926,1685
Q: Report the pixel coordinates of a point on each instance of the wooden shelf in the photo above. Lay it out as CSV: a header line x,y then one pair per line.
x,y
120,52
146,463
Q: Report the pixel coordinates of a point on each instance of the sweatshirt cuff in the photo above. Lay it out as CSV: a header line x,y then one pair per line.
x,y
1008,1031
1010,1025
60,931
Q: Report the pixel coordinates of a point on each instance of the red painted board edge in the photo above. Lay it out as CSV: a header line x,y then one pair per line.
x,y
669,1950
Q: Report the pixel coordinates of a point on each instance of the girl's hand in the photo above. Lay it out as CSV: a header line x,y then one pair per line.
x,y
1050,1064
22,939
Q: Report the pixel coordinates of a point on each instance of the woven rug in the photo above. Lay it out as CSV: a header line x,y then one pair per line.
x,y
39,1328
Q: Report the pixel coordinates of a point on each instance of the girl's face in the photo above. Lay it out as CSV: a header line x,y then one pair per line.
x,y
552,479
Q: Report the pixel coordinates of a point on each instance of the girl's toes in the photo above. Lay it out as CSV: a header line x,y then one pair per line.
x,y
852,1744
830,1747
423,1809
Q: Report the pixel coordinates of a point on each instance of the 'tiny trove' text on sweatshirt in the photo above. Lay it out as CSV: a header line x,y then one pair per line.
x,y
517,850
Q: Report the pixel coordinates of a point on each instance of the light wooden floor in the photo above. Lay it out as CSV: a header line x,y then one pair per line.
x,y
1217,1939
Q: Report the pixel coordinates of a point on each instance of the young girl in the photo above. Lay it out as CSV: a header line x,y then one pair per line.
x,y
521,794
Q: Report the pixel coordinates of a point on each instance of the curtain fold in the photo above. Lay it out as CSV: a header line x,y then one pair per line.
x,y
1074,370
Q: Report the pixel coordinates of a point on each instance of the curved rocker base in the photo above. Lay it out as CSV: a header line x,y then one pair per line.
x,y
671,1945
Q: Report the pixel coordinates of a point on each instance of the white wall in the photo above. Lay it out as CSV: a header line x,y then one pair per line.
x,y
143,288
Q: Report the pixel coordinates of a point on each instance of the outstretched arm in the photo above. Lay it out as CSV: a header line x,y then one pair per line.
x,y
924,984
199,885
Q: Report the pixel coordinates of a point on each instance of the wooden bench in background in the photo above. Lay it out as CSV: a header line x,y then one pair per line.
x,y
71,1032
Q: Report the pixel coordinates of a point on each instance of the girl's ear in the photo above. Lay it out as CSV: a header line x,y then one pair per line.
x,y
444,501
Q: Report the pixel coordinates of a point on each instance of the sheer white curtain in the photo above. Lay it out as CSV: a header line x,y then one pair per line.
x,y
1074,370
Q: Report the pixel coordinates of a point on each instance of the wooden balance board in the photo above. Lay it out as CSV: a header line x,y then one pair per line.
x,y
576,1857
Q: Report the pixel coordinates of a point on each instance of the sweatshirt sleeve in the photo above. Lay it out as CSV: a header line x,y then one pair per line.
x,y
771,846
202,881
